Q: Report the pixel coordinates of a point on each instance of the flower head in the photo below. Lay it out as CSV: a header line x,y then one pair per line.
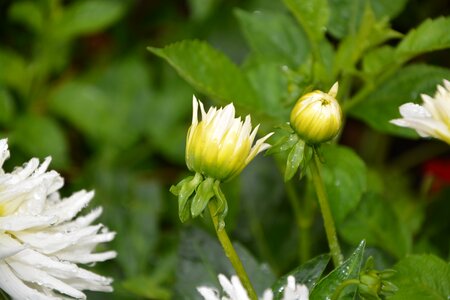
x,y
234,290
432,118
220,145
317,116
42,240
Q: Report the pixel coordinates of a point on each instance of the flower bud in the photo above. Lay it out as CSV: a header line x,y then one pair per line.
x,y
220,145
317,116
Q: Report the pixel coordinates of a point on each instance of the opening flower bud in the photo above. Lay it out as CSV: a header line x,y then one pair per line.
x,y
220,145
317,116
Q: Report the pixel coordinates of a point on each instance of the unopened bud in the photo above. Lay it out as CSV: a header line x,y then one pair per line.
x,y
317,116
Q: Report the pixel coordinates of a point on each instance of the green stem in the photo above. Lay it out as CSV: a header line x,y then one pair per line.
x,y
303,218
341,287
330,229
230,252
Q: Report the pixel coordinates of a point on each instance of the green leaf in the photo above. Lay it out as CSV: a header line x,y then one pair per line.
x,y
147,287
404,86
378,60
203,194
14,71
40,136
274,37
294,160
7,108
201,259
431,35
375,221
422,277
110,106
369,34
85,106
271,85
88,16
348,270
347,15
308,274
344,175
202,9
210,72
312,16
28,13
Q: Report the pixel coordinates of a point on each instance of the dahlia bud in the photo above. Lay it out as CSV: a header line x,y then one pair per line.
x,y
217,149
220,145
317,116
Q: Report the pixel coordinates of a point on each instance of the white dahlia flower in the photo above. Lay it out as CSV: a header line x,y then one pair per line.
x,y
234,290
432,118
42,240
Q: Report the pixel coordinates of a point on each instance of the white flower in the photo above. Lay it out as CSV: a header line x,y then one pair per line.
x,y
42,240
432,118
220,145
235,291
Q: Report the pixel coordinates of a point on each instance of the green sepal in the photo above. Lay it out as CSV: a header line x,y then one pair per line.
x,y
222,205
184,190
294,160
283,144
307,155
203,194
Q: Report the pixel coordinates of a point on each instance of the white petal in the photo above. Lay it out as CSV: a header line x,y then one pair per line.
x,y
9,246
412,110
34,275
268,295
16,288
208,293
68,208
22,222
4,153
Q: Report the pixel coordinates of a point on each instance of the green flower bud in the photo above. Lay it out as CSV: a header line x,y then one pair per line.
x,y
317,116
220,145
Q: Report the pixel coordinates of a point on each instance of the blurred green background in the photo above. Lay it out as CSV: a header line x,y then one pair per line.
x,y
77,83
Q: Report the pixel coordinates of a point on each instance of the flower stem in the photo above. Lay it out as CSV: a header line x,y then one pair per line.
x,y
330,229
230,252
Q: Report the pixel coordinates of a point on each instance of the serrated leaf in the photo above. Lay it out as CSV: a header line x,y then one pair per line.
x,y
404,86
83,17
424,277
344,175
431,35
274,37
312,16
211,72
40,137
348,270
375,221
307,274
